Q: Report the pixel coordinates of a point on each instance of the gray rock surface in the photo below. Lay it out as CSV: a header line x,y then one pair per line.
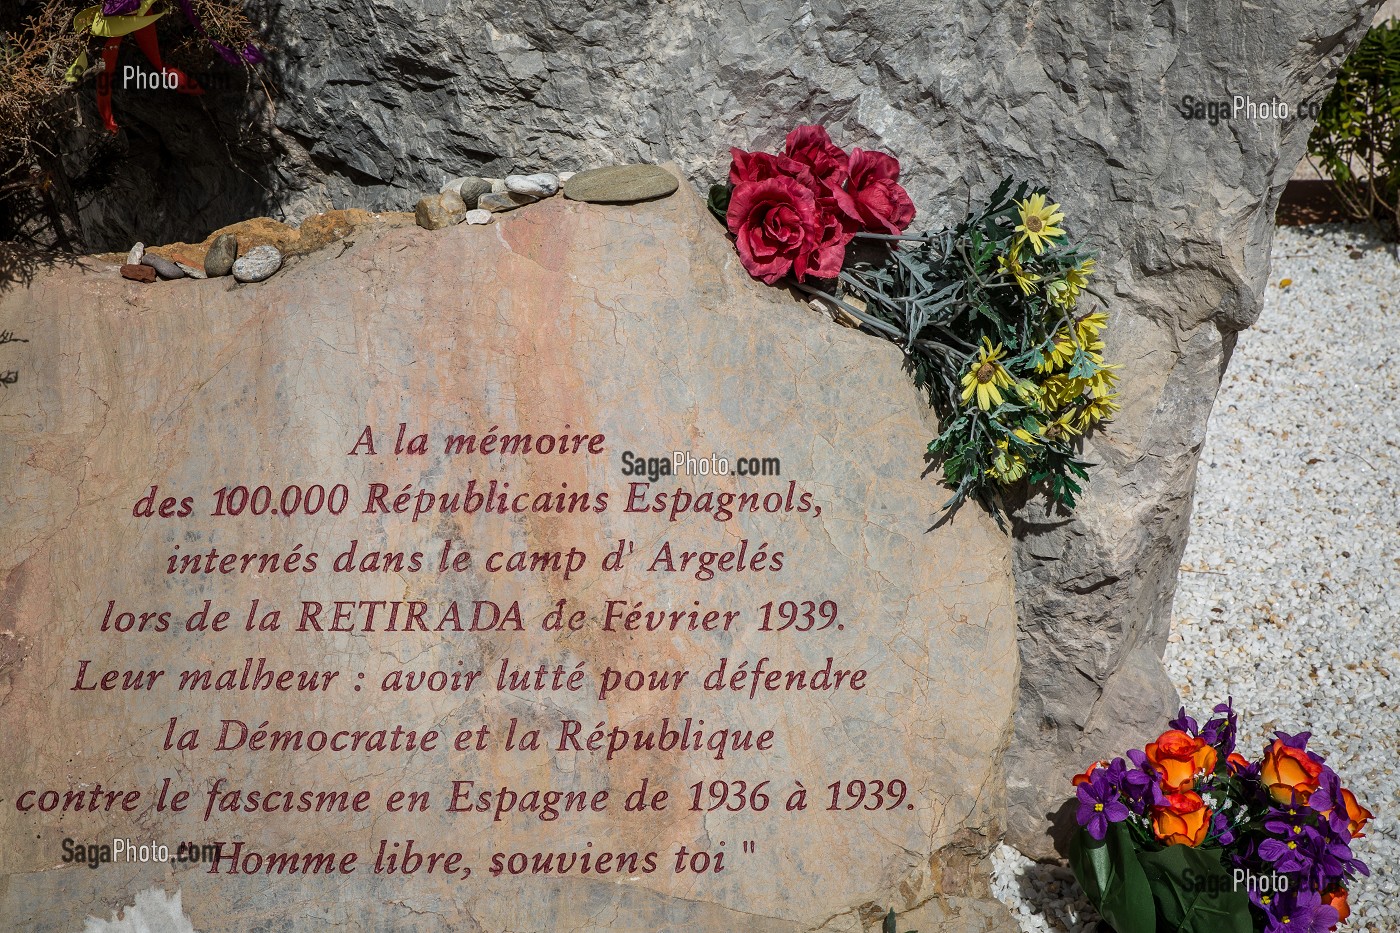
x,y
258,264
222,252
1078,94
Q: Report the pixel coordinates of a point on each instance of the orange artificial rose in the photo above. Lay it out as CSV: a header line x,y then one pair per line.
x,y
1237,762
1185,819
1178,757
1357,815
1287,771
1337,898
1084,778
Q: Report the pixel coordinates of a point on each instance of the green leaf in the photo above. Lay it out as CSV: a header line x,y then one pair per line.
x,y
718,201
1110,874
1195,892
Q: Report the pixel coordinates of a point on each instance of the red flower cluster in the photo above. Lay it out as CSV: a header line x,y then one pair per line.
x,y
795,213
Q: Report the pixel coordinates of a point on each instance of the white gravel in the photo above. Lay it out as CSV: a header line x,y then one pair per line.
x,y
1289,596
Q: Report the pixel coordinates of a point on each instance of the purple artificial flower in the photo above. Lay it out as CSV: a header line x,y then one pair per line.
x,y
1332,862
1099,803
1220,826
1141,785
1221,732
1293,853
253,55
1300,911
1184,723
120,7
1328,803
1300,742
226,53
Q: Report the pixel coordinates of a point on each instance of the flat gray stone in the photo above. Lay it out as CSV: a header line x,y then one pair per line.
x,y
495,202
621,184
258,264
222,252
540,185
165,268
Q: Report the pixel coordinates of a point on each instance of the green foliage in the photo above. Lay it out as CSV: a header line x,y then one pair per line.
x,y
1193,892
1171,889
1110,874
889,925
991,324
1357,137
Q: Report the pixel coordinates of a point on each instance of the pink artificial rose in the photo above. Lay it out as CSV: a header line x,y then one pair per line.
x,y
758,166
775,222
883,205
812,147
839,224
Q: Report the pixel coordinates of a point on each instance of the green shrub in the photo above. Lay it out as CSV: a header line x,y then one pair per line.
x,y
1357,138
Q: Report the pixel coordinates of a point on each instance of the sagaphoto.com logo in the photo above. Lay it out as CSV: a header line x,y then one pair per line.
x,y
97,853
688,463
1243,107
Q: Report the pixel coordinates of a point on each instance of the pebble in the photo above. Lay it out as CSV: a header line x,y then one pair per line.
x,y
191,271
541,185
138,273
222,252
133,258
439,210
468,188
258,264
478,216
565,176
498,185
164,267
503,201
621,184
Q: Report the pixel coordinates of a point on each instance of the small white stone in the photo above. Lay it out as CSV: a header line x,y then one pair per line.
x,y
133,258
478,216
498,185
539,185
565,176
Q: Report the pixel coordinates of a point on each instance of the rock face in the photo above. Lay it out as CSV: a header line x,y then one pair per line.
x,y
560,314
1082,95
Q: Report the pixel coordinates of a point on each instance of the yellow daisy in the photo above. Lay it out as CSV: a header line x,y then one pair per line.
x,y
1038,221
1104,383
1090,326
986,377
1078,277
1095,408
1007,467
1059,428
1058,354
1060,293
1011,265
